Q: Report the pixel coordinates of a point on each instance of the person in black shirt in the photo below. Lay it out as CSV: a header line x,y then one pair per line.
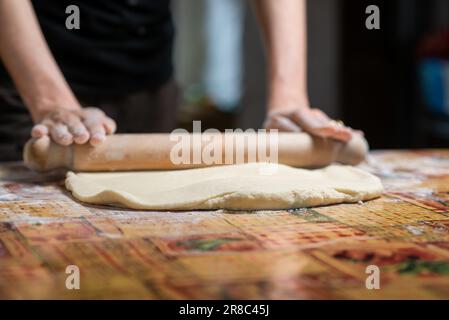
x,y
119,62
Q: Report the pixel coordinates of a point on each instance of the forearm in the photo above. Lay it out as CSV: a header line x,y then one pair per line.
x,y
27,58
283,24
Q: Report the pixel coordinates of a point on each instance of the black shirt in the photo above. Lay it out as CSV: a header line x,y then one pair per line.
x,y
122,46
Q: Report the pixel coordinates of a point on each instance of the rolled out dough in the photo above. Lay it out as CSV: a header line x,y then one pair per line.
x,y
243,187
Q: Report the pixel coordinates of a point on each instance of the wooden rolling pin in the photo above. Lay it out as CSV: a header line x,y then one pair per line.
x,y
123,152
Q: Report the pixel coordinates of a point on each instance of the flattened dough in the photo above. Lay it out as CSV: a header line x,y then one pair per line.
x,y
241,187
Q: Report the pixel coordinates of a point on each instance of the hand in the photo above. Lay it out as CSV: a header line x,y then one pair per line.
x,y
67,126
312,121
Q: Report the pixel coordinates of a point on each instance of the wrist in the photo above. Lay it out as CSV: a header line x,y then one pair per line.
x,y
287,101
287,94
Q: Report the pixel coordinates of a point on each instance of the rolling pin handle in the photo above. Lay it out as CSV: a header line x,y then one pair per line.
x,y
42,155
354,151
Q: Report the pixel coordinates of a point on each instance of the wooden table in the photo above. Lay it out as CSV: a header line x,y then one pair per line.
x,y
298,254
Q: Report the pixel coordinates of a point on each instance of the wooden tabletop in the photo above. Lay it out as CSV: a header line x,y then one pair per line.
x,y
298,254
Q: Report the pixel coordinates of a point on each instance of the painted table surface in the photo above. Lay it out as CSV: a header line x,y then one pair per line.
x,y
298,254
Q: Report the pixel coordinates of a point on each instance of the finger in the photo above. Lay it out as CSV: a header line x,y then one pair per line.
x,y
307,120
98,136
60,134
93,119
109,125
320,115
96,130
92,112
315,122
39,130
78,130
335,132
283,124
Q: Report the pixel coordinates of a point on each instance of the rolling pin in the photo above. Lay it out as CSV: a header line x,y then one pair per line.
x,y
123,152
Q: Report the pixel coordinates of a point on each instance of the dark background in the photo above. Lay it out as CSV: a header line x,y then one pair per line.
x,y
367,78
380,91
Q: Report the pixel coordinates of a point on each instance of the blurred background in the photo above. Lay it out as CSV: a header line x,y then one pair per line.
x,y
392,83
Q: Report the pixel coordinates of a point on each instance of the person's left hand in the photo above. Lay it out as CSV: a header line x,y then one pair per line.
x,y
312,121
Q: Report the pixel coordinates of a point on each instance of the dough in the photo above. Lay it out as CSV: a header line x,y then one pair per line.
x,y
244,187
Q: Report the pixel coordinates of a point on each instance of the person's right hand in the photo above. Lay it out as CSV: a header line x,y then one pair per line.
x,y
66,126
